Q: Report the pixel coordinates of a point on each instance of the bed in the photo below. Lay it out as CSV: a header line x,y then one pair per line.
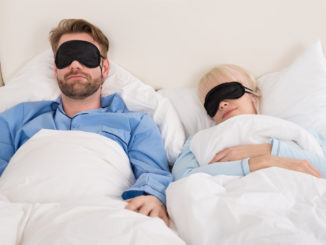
x,y
158,52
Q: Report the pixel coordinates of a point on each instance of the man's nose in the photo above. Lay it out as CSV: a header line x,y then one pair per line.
x,y
76,65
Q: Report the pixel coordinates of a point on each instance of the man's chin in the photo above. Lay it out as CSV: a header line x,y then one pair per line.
x,y
79,93
76,95
78,89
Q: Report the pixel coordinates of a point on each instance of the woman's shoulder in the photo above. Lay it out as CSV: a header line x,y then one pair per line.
x,y
318,135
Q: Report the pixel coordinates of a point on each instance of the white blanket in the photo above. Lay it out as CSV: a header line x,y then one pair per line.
x,y
250,129
269,206
64,187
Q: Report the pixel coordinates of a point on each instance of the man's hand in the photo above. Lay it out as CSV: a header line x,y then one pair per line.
x,y
241,152
148,205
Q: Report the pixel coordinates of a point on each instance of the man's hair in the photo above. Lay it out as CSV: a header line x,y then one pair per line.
x,y
78,26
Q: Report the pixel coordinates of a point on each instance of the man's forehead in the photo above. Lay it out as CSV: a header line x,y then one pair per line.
x,y
77,36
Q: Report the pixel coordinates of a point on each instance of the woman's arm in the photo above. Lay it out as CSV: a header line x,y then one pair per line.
x,y
187,164
254,157
283,149
278,154
266,161
242,151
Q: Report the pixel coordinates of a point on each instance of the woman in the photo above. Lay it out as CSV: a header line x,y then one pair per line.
x,y
227,91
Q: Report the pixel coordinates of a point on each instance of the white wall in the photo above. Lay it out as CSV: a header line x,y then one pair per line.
x,y
171,43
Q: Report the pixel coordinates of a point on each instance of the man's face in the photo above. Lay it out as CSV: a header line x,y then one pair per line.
x,y
77,81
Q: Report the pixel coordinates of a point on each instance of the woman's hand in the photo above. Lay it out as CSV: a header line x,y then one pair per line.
x,y
235,153
148,205
265,161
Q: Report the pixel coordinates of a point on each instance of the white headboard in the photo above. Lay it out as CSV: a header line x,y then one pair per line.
x,y
171,43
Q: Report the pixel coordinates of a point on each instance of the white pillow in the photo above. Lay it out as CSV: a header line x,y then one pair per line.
x,y
36,81
297,93
191,112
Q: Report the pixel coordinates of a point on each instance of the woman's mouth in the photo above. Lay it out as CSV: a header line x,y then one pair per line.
x,y
227,113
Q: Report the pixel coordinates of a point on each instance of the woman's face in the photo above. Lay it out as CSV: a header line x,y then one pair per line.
x,y
232,107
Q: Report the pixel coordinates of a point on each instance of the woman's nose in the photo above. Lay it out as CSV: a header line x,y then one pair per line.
x,y
223,104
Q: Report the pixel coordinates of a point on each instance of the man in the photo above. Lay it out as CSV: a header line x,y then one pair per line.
x,y
81,66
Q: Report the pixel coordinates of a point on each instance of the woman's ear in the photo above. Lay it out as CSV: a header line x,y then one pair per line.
x,y
254,98
256,102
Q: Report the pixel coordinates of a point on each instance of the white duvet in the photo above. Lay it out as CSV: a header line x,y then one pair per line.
x,y
64,187
269,206
250,129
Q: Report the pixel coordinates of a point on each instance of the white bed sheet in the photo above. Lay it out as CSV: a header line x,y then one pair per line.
x,y
64,187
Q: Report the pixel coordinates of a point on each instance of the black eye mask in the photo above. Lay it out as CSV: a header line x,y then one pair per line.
x,y
84,52
230,90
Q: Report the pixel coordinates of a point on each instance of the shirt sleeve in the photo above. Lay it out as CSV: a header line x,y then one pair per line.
x,y
282,149
187,164
148,161
8,124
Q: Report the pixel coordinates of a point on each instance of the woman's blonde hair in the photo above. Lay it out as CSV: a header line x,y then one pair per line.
x,y
78,26
227,73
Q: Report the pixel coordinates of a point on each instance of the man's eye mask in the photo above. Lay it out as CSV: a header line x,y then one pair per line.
x,y
84,52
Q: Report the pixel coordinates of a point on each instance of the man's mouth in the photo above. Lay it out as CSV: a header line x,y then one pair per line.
x,y
76,76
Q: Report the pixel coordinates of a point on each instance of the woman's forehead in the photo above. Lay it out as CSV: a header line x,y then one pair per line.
x,y
228,76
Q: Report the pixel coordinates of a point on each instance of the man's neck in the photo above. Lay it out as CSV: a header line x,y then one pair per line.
x,y
74,106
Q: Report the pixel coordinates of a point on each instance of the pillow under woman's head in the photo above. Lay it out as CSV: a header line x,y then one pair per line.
x,y
296,93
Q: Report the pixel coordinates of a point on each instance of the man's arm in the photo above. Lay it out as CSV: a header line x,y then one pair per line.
x,y
150,167
8,123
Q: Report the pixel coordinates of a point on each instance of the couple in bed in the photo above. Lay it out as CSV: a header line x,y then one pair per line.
x,y
81,66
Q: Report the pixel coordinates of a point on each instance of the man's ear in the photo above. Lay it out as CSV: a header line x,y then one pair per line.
x,y
105,68
55,70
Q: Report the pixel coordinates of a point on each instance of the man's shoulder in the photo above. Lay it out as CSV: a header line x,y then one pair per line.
x,y
37,104
33,106
115,103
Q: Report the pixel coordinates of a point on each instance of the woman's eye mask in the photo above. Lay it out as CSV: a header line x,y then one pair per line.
x,y
223,91
84,52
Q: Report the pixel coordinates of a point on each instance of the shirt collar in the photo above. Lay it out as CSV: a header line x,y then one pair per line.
x,y
113,103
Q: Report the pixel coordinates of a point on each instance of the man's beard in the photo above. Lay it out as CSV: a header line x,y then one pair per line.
x,y
76,89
